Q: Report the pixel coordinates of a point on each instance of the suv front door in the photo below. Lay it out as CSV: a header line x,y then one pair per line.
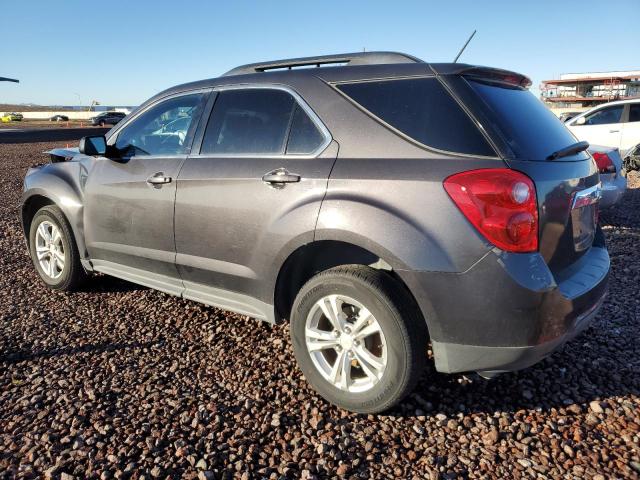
x,y
129,198
254,187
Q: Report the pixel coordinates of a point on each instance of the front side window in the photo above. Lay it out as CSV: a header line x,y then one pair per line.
x,y
605,115
165,129
259,121
422,109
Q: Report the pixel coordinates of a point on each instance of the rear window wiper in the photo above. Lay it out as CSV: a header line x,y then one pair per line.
x,y
570,150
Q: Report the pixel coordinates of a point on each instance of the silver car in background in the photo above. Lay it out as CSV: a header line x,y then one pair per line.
x,y
614,182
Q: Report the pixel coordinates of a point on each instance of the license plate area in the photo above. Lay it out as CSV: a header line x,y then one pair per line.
x,y
584,217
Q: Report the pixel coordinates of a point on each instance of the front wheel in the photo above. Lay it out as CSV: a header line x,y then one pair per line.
x,y
358,338
53,250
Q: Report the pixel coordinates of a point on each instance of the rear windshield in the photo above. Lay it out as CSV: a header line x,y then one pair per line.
x,y
422,109
532,131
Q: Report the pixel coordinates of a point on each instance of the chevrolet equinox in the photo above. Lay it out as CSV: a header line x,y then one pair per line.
x,y
378,202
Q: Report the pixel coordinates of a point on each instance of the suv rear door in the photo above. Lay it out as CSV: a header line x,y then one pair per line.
x,y
251,191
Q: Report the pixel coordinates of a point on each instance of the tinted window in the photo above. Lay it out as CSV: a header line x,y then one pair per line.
x,y
422,109
532,131
605,115
304,136
251,121
165,129
634,112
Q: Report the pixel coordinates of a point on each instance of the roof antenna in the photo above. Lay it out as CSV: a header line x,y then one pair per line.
x,y
464,46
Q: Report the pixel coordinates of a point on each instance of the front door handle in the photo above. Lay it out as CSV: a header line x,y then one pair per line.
x,y
158,179
614,131
280,175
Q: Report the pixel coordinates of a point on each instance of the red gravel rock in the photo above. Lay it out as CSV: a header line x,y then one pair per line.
x,y
119,381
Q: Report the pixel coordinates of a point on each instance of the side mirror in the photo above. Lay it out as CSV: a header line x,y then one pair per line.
x,y
95,145
581,121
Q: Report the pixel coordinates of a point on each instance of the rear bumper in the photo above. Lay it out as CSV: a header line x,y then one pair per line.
x,y
508,311
453,357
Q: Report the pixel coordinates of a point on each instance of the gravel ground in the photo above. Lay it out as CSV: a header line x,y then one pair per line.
x,y
118,381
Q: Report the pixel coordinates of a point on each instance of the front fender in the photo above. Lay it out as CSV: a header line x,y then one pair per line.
x,y
63,185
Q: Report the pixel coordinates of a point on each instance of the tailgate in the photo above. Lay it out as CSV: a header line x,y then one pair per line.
x,y
568,194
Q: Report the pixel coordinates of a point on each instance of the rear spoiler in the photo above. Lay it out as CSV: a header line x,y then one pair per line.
x,y
497,75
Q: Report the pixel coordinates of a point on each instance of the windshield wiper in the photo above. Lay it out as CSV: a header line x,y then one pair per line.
x,y
570,150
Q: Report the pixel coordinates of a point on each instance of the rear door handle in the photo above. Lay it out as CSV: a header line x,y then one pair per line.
x,y
614,131
158,179
280,175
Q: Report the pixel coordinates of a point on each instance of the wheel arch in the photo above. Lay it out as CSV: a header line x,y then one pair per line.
x,y
310,259
30,207
36,198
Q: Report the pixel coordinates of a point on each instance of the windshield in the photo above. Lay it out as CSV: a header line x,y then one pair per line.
x,y
532,131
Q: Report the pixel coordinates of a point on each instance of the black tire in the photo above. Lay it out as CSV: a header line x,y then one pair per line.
x,y
73,274
101,123
401,322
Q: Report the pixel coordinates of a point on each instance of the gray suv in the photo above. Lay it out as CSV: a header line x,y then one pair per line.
x,y
378,202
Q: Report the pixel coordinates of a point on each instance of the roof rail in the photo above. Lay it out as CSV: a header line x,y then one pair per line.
x,y
359,58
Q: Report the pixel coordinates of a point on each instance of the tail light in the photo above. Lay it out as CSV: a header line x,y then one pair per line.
x,y
501,203
604,162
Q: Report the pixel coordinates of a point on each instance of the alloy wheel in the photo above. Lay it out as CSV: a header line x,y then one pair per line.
x,y
346,343
50,249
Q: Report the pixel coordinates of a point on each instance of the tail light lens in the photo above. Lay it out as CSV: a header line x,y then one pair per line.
x,y
604,162
501,203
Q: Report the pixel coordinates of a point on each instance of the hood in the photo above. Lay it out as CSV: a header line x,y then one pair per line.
x,y
62,154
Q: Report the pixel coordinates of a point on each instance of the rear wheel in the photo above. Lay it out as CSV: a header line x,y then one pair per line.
x,y
358,338
54,251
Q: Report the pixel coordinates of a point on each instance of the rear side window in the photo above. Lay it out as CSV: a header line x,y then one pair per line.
x,y
304,136
259,121
421,109
249,121
532,131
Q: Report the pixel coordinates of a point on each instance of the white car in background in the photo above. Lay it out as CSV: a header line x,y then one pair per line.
x,y
613,124
610,167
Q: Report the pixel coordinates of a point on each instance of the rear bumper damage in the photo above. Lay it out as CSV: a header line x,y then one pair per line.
x,y
508,311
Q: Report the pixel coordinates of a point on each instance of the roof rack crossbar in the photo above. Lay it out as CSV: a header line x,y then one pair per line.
x,y
359,58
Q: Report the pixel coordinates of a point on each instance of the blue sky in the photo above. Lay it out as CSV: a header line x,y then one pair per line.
x,y
124,51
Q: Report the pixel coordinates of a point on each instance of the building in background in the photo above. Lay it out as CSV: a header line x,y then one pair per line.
x,y
580,91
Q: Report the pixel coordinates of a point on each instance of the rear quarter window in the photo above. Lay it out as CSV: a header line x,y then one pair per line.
x,y
421,109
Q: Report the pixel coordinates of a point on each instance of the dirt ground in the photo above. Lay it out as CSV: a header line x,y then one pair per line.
x,y
119,381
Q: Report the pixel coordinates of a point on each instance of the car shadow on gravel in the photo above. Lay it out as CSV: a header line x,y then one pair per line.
x,y
100,283
554,388
98,348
